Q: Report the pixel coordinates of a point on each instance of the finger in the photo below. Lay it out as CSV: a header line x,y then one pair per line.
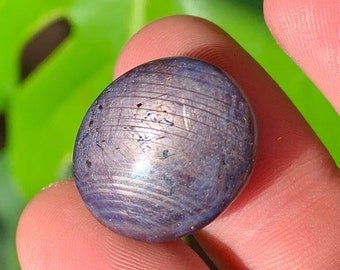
x,y
56,231
287,215
309,32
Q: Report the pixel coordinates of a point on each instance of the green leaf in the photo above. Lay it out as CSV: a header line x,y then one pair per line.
x,y
46,109
11,204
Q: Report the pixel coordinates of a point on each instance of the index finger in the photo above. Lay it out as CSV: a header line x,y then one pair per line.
x,y
309,32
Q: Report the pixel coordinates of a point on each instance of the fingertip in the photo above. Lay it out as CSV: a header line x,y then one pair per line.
x,y
56,231
178,35
308,32
49,231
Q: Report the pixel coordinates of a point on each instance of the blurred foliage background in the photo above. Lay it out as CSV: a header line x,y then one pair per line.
x,y
57,56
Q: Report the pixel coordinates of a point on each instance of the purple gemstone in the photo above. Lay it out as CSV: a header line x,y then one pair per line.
x,y
165,149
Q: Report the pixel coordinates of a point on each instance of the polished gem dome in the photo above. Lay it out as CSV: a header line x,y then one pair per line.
x,y
164,149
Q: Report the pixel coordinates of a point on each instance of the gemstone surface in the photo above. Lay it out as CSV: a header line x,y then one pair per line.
x,y
165,149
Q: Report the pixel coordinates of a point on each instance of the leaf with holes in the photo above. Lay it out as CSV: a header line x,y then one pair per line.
x,y
44,106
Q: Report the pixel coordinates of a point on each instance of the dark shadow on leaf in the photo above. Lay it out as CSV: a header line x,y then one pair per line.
x,y
256,5
40,46
2,131
193,243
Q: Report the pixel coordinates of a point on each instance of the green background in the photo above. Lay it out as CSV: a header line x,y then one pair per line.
x,y
43,111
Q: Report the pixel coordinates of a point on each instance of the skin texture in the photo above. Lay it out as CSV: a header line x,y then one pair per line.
x,y
288,215
309,32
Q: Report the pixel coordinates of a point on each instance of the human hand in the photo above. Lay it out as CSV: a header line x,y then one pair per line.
x,y
288,215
